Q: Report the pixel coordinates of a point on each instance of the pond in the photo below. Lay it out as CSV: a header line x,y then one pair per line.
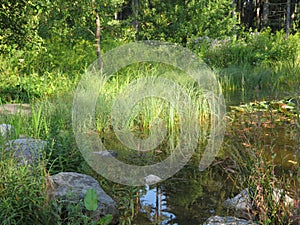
x,y
191,196
266,129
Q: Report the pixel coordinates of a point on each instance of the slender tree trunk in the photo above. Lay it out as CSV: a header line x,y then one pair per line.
x,y
258,20
233,14
240,10
265,13
97,35
135,6
288,17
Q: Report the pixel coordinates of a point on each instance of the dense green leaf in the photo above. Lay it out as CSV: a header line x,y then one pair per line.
x,y
91,200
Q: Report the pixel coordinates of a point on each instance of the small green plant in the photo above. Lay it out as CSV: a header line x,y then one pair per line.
x,y
91,204
91,200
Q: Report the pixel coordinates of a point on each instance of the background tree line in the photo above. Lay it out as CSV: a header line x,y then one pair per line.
x,y
277,14
46,45
26,24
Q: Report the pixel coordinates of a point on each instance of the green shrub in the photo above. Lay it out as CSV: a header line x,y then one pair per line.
x,y
252,48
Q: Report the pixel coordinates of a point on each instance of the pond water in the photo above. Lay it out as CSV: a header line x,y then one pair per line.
x,y
191,196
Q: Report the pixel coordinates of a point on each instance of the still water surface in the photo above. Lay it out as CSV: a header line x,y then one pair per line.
x,y
191,196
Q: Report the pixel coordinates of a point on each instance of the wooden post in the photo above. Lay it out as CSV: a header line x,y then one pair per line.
x,y
97,36
288,17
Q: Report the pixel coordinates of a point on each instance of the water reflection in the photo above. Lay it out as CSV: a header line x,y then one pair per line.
x,y
190,197
155,205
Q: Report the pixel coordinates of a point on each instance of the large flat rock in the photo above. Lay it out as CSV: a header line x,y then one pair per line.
x,y
22,109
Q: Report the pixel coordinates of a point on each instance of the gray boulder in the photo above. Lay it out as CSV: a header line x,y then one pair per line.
x,y
6,131
26,150
70,188
241,202
152,179
228,220
278,195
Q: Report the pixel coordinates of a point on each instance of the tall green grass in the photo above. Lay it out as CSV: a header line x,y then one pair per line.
x,y
263,82
253,65
122,86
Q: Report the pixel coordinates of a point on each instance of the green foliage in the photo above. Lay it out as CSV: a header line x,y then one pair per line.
x,y
69,20
19,20
26,75
46,46
253,49
180,21
24,193
213,18
105,220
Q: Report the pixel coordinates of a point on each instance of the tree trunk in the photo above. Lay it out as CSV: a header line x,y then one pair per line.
x,y
97,36
258,12
288,17
265,13
135,5
233,8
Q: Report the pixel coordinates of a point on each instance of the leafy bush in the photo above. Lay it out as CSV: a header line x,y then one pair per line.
x,y
26,75
253,49
18,25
